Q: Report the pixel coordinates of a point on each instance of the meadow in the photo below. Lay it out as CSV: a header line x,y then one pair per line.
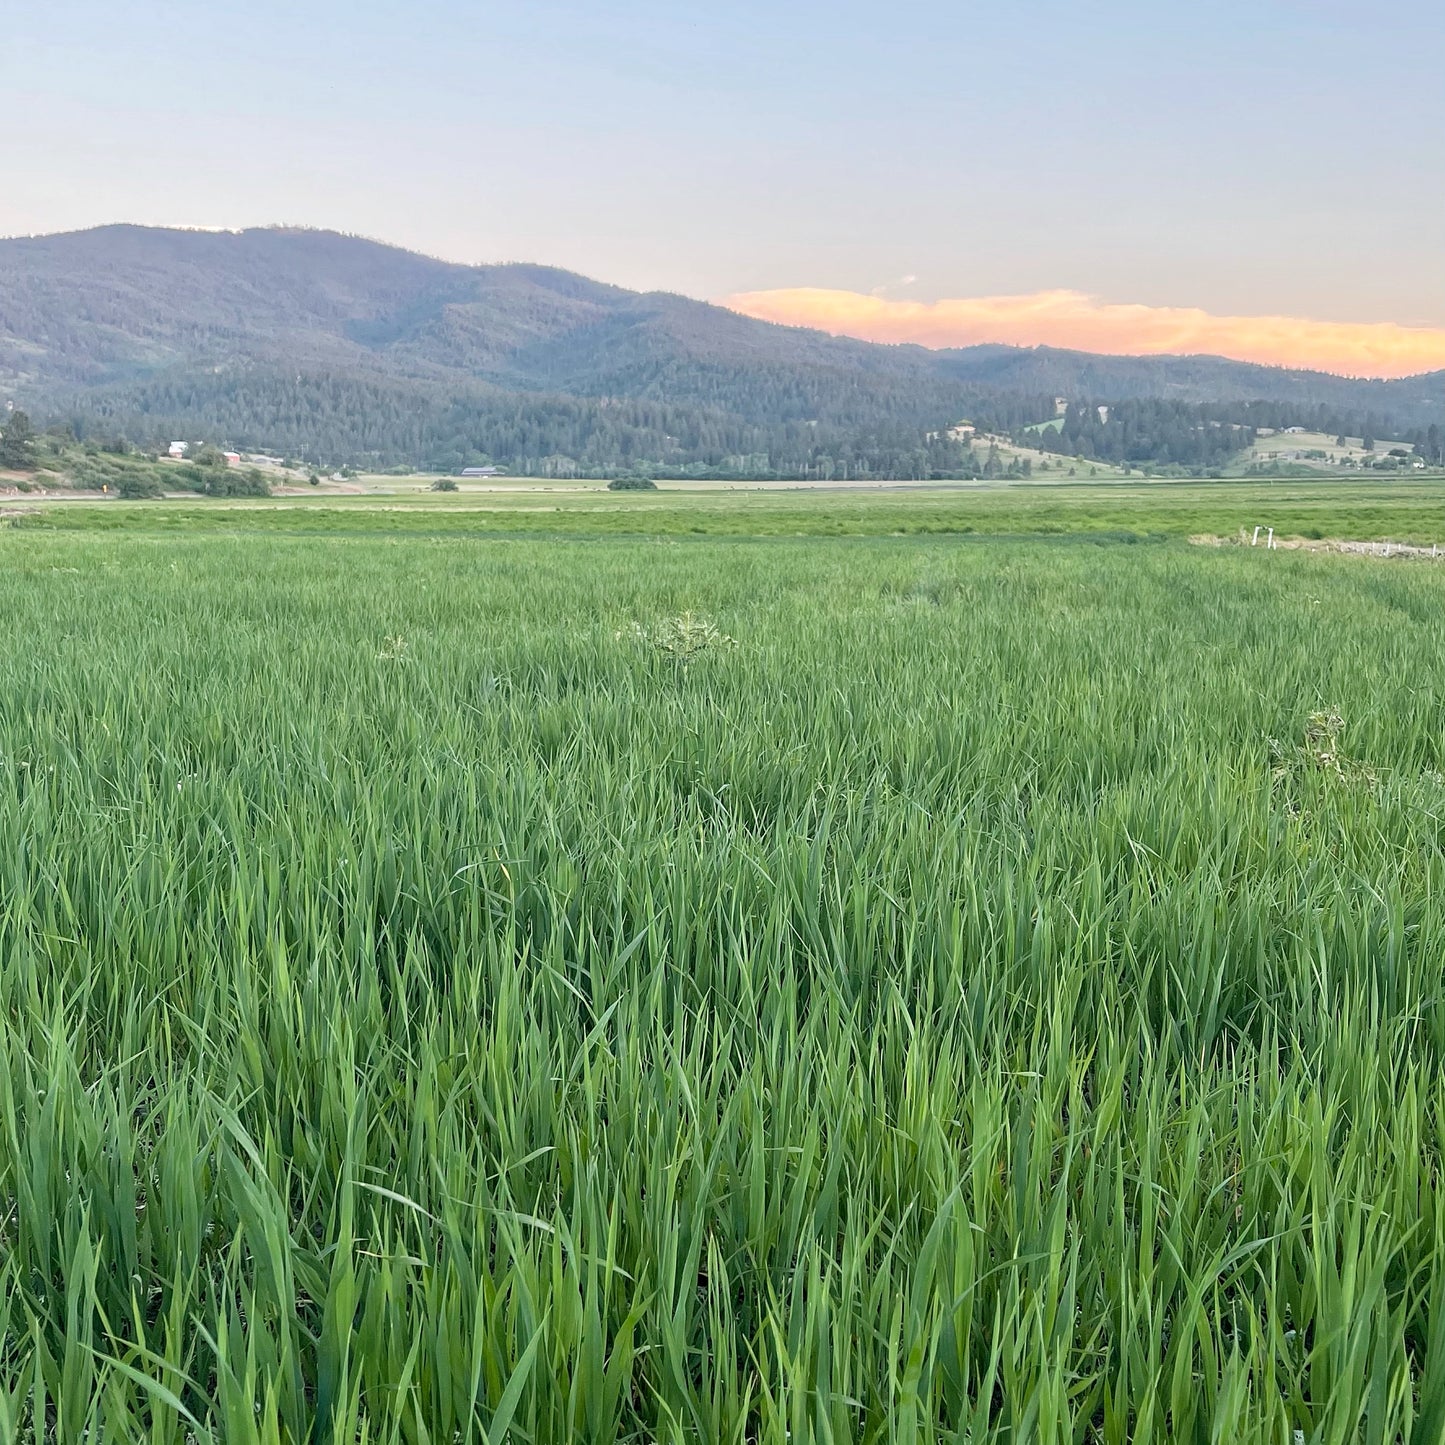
x,y
615,974
1401,510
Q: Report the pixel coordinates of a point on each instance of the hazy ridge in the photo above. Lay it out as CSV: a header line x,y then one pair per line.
x,y
346,348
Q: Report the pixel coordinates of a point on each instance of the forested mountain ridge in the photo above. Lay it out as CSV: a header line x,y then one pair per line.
x,y
122,302
1407,403
111,304
342,349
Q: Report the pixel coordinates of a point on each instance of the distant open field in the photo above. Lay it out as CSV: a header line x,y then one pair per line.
x,y
1320,446
906,966
1398,509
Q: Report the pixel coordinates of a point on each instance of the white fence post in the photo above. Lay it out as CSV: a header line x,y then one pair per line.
x,y
1255,541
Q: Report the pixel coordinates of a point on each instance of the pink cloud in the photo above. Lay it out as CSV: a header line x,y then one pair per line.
x,y
1071,319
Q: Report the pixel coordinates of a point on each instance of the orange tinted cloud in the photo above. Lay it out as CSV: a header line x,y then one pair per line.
x,y
1071,319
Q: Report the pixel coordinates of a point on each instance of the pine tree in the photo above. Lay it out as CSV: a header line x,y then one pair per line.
x,y
17,443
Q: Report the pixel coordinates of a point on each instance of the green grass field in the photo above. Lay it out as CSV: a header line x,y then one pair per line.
x,y
971,972
1404,510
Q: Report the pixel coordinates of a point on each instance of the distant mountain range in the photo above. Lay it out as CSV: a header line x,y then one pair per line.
x,y
346,350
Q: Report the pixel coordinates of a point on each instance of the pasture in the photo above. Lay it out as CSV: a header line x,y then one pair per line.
x,y
954,967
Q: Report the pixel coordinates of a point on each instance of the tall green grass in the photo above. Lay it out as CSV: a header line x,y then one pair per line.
x,y
975,1004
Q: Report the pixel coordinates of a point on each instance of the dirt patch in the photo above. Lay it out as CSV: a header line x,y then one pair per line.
x,y
289,489
1384,551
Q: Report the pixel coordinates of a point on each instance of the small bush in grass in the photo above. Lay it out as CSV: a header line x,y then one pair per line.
x,y
444,484
684,638
1321,751
632,484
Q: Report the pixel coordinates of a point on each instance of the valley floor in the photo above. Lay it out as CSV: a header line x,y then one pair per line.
x,y
1401,510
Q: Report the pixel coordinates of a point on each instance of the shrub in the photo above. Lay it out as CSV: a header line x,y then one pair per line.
x,y
444,484
231,483
683,638
139,487
632,484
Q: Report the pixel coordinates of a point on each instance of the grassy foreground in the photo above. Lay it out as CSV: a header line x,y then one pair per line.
x,y
459,988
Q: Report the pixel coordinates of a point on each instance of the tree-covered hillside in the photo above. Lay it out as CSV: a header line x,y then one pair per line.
x,y
341,350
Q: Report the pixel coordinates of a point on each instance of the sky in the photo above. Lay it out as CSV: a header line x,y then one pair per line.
x,y
1262,178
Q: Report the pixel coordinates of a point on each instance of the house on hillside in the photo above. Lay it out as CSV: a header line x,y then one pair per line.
x,y
233,459
177,450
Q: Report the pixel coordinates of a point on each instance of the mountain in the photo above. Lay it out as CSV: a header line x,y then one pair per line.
x,y
347,350
1409,403
121,303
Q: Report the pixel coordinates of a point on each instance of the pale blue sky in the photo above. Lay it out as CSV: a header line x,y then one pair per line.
x,y
1277,156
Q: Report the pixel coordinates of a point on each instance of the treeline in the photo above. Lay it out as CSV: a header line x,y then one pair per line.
x,y
1203,436
1135,432
1429,442
340,420
694,420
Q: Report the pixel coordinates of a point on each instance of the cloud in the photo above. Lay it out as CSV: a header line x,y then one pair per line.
x,y
1072,319
887,286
